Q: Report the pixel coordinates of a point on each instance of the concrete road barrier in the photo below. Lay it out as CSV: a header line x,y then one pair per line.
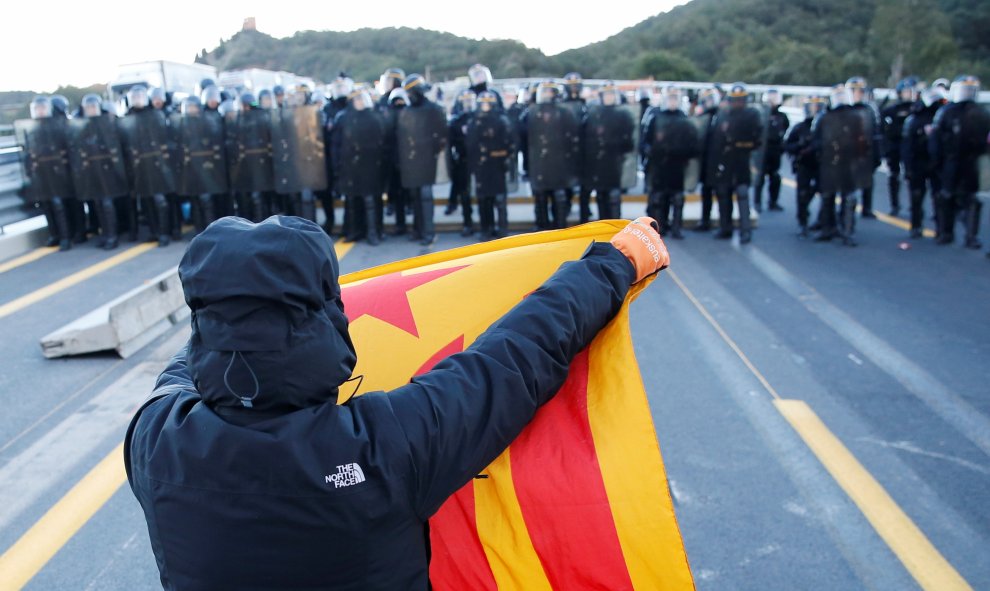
x,y
124,324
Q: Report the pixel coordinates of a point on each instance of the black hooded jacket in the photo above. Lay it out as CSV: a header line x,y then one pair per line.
x,y
252,477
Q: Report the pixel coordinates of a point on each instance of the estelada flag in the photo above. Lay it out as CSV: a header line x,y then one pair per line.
x,y
580,499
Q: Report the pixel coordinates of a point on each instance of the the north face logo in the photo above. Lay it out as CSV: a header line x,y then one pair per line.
x,y
346,475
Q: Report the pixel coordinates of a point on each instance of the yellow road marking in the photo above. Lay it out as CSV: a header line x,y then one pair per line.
x,y
902,224
27,258
46,537
725,337
887,219
56,527
77,277
342,248
925,563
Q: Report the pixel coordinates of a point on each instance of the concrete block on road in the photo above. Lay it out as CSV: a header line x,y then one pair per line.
x,y
125,324
20,237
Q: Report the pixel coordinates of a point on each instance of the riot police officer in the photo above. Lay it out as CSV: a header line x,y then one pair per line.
x,y
421,136
147,142
777,124
278,91
340,92
708,104
669,141
202,168
859,96
574,100
736,133
358,148
390,79
608,137
843,138
265,100
46,159
397,197
959,138
799,146
919,168
892,126
490,150
97,165
480,78
552,134
460,178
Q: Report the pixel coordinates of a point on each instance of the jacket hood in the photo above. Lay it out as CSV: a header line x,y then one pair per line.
x,y
269,334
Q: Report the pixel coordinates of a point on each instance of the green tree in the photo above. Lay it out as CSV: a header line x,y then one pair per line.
x,y
909,37
665,65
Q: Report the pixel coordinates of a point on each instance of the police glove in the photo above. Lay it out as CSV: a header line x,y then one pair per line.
x,y
641,243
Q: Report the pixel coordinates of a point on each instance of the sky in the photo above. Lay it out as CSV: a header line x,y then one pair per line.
x,y
71,43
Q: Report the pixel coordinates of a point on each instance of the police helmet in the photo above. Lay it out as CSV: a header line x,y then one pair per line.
x,y
137,96
965,88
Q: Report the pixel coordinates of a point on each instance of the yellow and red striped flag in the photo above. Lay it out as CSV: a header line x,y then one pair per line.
x,y
580,499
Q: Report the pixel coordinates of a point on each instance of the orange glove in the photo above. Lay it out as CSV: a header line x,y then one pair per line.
x,y
642,245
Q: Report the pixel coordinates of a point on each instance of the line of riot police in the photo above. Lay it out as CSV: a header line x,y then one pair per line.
x,y
936,142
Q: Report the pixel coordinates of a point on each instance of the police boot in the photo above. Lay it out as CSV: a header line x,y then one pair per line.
x,y
540,207
502,205
307,205
77,219
428,230
705,224
868,204
468,227
946,220
775,192
849,220
412,202
663,212
745,233
894,189
724,196
162,215
615,204
486,216
329,212
917,210
175,216
207,215
60,216
757,195
653,206
561,207
371,220
585,206
257,207
973,223
49,213
108,222
678,215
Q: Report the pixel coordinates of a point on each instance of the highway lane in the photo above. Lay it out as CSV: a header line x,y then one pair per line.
x,y
758,508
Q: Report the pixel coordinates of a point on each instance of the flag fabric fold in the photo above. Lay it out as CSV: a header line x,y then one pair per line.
x,y
580,499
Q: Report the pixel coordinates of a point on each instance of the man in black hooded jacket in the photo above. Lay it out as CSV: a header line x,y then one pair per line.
x,y
252,477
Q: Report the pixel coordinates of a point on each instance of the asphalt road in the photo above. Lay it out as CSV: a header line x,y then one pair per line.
x,y
884,349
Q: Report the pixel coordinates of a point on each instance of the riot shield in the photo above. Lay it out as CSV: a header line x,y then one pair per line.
x,y
692,172
976,131
420,136
984,164
148,152
96,158
758,156
554,148
847,151
630,163
361,147
609,135
297,149
44,157
202,166
249,151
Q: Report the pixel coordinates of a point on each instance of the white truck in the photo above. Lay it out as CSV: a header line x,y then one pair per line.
x,y
179,80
